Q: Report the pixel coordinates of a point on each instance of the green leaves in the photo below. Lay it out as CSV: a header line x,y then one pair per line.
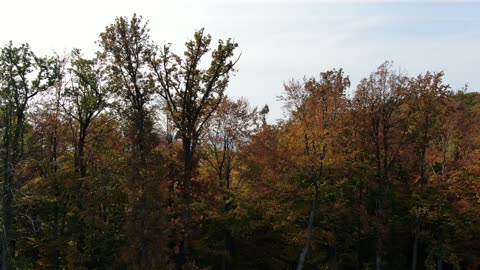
x,y
86,91
23,75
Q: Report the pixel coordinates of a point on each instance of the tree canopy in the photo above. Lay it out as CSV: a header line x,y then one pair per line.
x,y
136,158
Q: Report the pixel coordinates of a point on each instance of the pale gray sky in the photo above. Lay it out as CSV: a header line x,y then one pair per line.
x,y
279,39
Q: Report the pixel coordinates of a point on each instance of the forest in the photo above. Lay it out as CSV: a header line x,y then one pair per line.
x,y
136,158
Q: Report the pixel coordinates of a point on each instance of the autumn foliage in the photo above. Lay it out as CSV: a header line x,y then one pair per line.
x,y
137,159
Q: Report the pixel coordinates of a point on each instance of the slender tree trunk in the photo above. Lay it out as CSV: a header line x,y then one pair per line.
x,y
227,246
82,165
439,263
7,213
142,171
187,178
56,252
444,170
378,254
7,196
10,160
423,181
82,170
440,239
308,238
384,177
379,203
335,255
415,252
380,213
357,242
226,234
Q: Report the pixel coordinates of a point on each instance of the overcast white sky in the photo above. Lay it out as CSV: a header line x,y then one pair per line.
x,y
279,40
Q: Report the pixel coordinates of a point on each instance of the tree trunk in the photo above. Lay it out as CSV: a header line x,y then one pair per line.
x,y
415,252
143,208
378,254
308,238
187,178
7,219
82,166
10,160
82,170
56,252
439,263
7,195
226,234
227,246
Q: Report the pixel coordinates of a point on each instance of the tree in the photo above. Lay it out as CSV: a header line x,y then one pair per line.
x,y
314,106
428,94
191,96
50,196
22,76
125,45
86,96
426,98
230,129
378,101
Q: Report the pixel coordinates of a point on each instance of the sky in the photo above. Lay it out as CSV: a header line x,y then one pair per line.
x,y
279,40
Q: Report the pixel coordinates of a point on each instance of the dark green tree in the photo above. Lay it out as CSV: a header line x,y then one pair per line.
x,y
192,94
85,96
124,46
22,76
